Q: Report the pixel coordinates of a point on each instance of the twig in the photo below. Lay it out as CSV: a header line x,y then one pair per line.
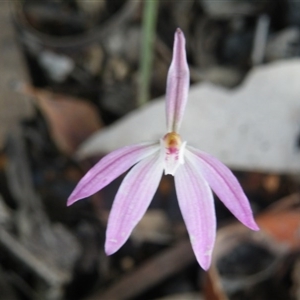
x,y
157,269
49,274
97,33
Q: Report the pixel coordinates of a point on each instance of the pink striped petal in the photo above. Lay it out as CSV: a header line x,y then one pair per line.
x,y
132,201
178,82
109,168
197,207
224,184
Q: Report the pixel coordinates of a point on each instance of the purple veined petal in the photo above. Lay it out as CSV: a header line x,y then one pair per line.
x,y
197,207
109,168
132,200
178,82
224,184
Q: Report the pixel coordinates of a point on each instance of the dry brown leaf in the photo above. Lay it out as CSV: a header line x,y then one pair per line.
x,y
282,222
71,120
278,235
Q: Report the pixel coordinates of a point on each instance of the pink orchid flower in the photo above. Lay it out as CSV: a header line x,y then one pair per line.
x,y
195,173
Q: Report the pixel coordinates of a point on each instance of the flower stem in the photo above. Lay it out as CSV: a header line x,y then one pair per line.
x,y
148,34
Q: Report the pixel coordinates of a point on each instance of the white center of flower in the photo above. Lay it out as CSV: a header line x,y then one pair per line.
x,y
172,152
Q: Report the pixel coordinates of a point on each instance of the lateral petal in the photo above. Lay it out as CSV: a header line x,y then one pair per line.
x,y
224,184
109,168
197,207
132,200
178,82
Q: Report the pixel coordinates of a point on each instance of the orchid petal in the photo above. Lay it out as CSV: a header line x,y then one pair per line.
x,y
109,168
224,184
178,82
197,207
132,201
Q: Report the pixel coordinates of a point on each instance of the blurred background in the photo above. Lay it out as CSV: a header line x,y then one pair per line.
x,y
71,70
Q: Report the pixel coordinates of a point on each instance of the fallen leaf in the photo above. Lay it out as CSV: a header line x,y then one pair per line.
x,y
71,120
252,127
242,259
